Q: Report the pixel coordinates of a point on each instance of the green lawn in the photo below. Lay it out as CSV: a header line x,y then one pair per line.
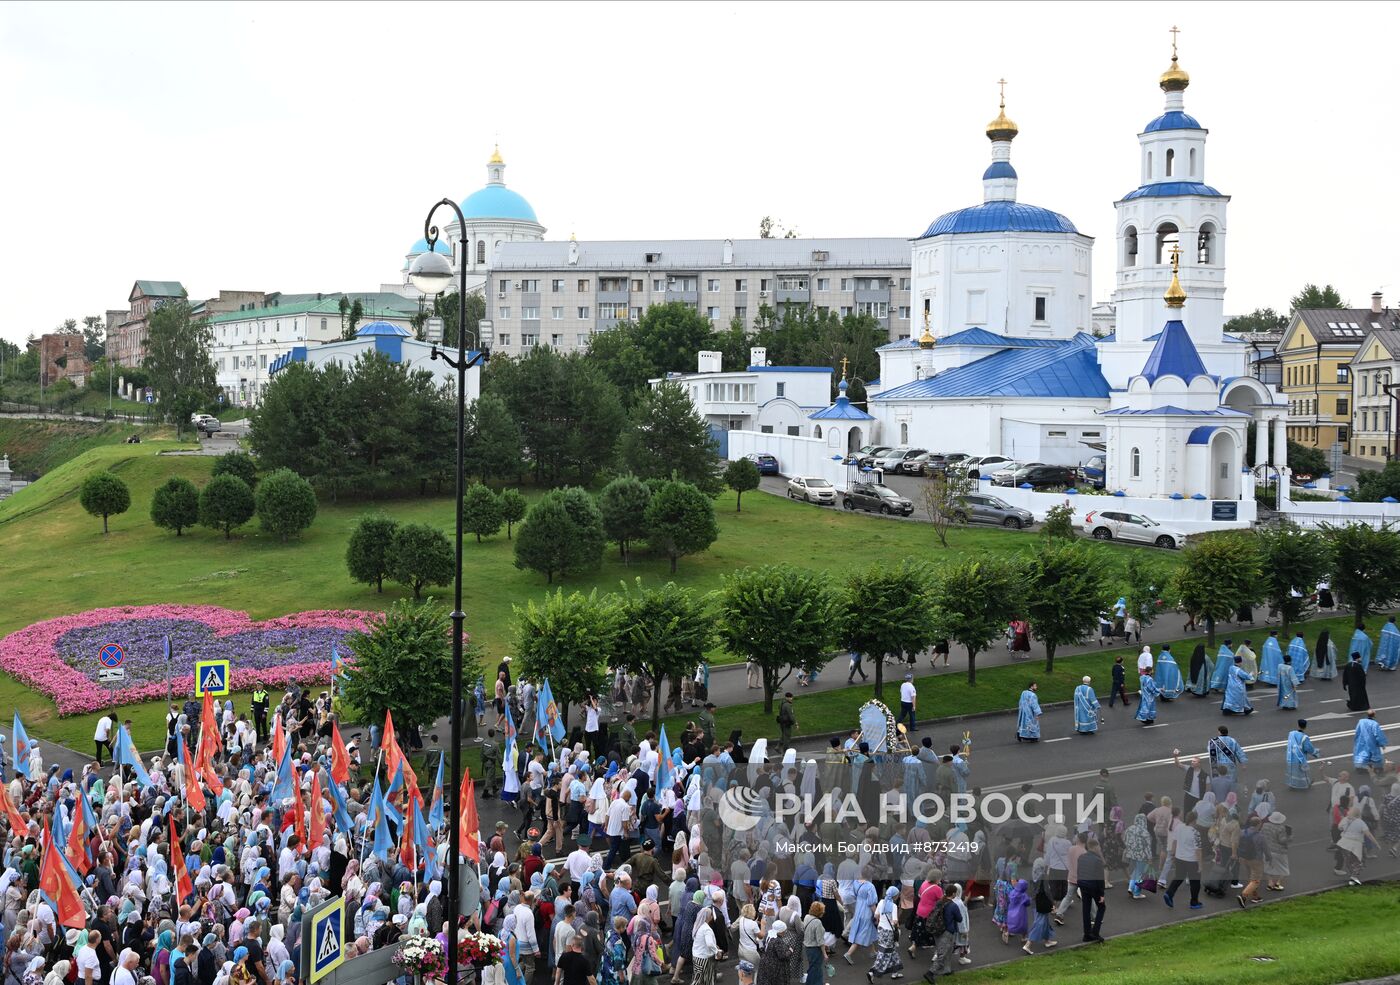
x,y
1338,936
42,445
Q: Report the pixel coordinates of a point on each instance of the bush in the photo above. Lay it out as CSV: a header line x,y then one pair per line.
x,y
104,495
513,508
481,511
238,463
226,503
420,555
286,503
367,553
562,535
623,504
1059,521
175,505
741,475
680,520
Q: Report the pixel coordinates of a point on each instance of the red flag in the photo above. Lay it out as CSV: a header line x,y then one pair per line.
x,y
390,746
76,849
194,795
279,739
407,848
209,740
340,757
18,824
318,812
54,881
184,887
211,780
299,814
469,829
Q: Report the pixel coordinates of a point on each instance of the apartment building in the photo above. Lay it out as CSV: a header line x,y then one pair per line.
x,y
559,294
1375,367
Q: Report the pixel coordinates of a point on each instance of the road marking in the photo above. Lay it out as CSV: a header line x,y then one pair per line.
x,y
1063,738
1331,701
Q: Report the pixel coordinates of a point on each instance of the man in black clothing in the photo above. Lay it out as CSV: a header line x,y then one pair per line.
x,y
1119,688
185,967
1091,890
257,961
573,967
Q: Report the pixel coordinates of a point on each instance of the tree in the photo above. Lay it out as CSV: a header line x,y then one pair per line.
x,y
1064,588
742,476
943,501
1059,522
367,552
225,504
560,536
445,307
663,632
285,503
569,639
94,338
680,520
780,617
768,225
588,536
175,505
665,437
1372,486
1294,561
1258,320
481,511
351,312
177,361
972,600
1312,296
403,664
420,555
1303,460
623,504
1365,568
104,495
238,463
1142,587
886,613
493,446
513,506
1219,574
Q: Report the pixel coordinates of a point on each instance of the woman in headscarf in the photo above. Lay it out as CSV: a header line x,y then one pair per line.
x,y
684,936
510,952
1199,672
160,964
704,950
1325,657
124,973
1041,928
829,894
1018,911
1137,852
648,958
1001,896
775,964
613,962
276,946
208,962
887,961
34,971
861,932
58,974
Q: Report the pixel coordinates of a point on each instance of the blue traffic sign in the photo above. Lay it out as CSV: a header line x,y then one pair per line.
x,y
111,655
211,677
150,398
327,939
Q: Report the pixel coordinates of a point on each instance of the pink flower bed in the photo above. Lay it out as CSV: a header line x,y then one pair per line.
x,y
57,657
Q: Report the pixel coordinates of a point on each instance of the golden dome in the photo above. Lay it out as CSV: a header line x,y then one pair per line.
x,y
497,159
1175,296
1002,128
927,341
1174,79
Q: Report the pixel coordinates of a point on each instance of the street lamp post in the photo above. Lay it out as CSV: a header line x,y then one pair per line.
x,y
431,273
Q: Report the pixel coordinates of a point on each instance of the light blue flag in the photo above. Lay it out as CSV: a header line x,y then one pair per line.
x,y
664,777
21,746
508,761
342,810
435,812
376,804
285,787
128,756
383,843
547,715
420,830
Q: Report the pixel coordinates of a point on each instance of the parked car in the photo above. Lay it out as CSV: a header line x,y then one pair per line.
x,y
1094,471
974,467
956,458
928,463
196,418
210,425
1041,477
1119,525
812,490
767,464
867,455
891,460
875,498
981,508
1002,475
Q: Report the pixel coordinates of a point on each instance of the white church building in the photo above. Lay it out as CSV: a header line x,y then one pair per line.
x,y
1006,363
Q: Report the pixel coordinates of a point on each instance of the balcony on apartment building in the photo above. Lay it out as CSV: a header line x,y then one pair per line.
x,y
792,290
683,287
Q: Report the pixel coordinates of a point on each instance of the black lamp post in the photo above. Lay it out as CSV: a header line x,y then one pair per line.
x,y
431,273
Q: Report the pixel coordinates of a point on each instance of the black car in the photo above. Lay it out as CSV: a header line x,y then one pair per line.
x,y
875,498
1040,476
929,463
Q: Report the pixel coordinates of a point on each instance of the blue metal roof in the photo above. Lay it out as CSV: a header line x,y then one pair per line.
x,y
999,217
1201,435
874,382
1174,120
791,369
1173,355
980,336
1066,369
999,169
296,355
422,247
898,344
1171,410
842,410
497,202
1174,189
383,328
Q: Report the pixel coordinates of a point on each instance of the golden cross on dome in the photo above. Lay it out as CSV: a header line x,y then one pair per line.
x,y
1174,32
1002,83
843,367
1176,258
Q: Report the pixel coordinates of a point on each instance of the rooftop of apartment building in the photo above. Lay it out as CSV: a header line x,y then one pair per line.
x,y
705,254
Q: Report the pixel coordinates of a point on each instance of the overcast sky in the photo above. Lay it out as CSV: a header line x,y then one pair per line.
x,y
297,147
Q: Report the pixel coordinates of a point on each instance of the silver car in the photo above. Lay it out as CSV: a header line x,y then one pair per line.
x,y
982,508
812,489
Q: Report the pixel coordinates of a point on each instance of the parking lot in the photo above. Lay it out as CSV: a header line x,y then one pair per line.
x,y
909,486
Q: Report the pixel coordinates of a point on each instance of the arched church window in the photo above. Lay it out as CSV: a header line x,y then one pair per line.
x,y
1167,237
904,434
1171,162
1150,174
817,431
1205,243
481,251
1137,464
1192,162
1130,247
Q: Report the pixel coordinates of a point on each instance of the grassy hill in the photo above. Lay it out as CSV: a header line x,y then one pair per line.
x,y
42,445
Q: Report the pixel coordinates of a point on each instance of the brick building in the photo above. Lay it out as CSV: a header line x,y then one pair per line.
x,y
127,347
61,358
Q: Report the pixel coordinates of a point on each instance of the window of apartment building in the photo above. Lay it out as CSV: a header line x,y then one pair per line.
x,y
712,285
583,311
637,285
530,286
1343,374
612,309
846,283
1343,434
263,361
781,388
503,339
792,283
740,285
823,283
503,313
658,284
845,310
583,287
557,312
683,284
872,283
875,309
765,284
556,340
904,312
741,313
712,314
529,341
323,324
904,283
583,338
556,285
530,312
1342,404
1040,305
502,286
636,312
612,283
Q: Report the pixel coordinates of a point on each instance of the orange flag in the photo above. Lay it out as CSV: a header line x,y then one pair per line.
x,y
390,747
54,881
209,740
211,779
77,848
194,795
407,849
18,825
279,739
318,812
184,887
340,757
469,829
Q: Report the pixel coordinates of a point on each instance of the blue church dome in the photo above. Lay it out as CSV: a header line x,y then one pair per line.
x,y
376,328
999,169
497,202
1173,120
997,217
422,247
1173,189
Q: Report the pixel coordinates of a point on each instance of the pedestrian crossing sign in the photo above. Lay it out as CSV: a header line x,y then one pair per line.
x,y
211,677
327,939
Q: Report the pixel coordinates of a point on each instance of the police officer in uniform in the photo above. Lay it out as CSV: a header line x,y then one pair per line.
x,y
627,744
260,706
707,724
490,763
787,720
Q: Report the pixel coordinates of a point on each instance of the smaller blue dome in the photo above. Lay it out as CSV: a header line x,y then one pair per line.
x,y
383,328
497,202
1175,120
422,247
999,169
997,217
1173,189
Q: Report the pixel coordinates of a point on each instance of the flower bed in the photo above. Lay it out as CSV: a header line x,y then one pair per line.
x,y
58,657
